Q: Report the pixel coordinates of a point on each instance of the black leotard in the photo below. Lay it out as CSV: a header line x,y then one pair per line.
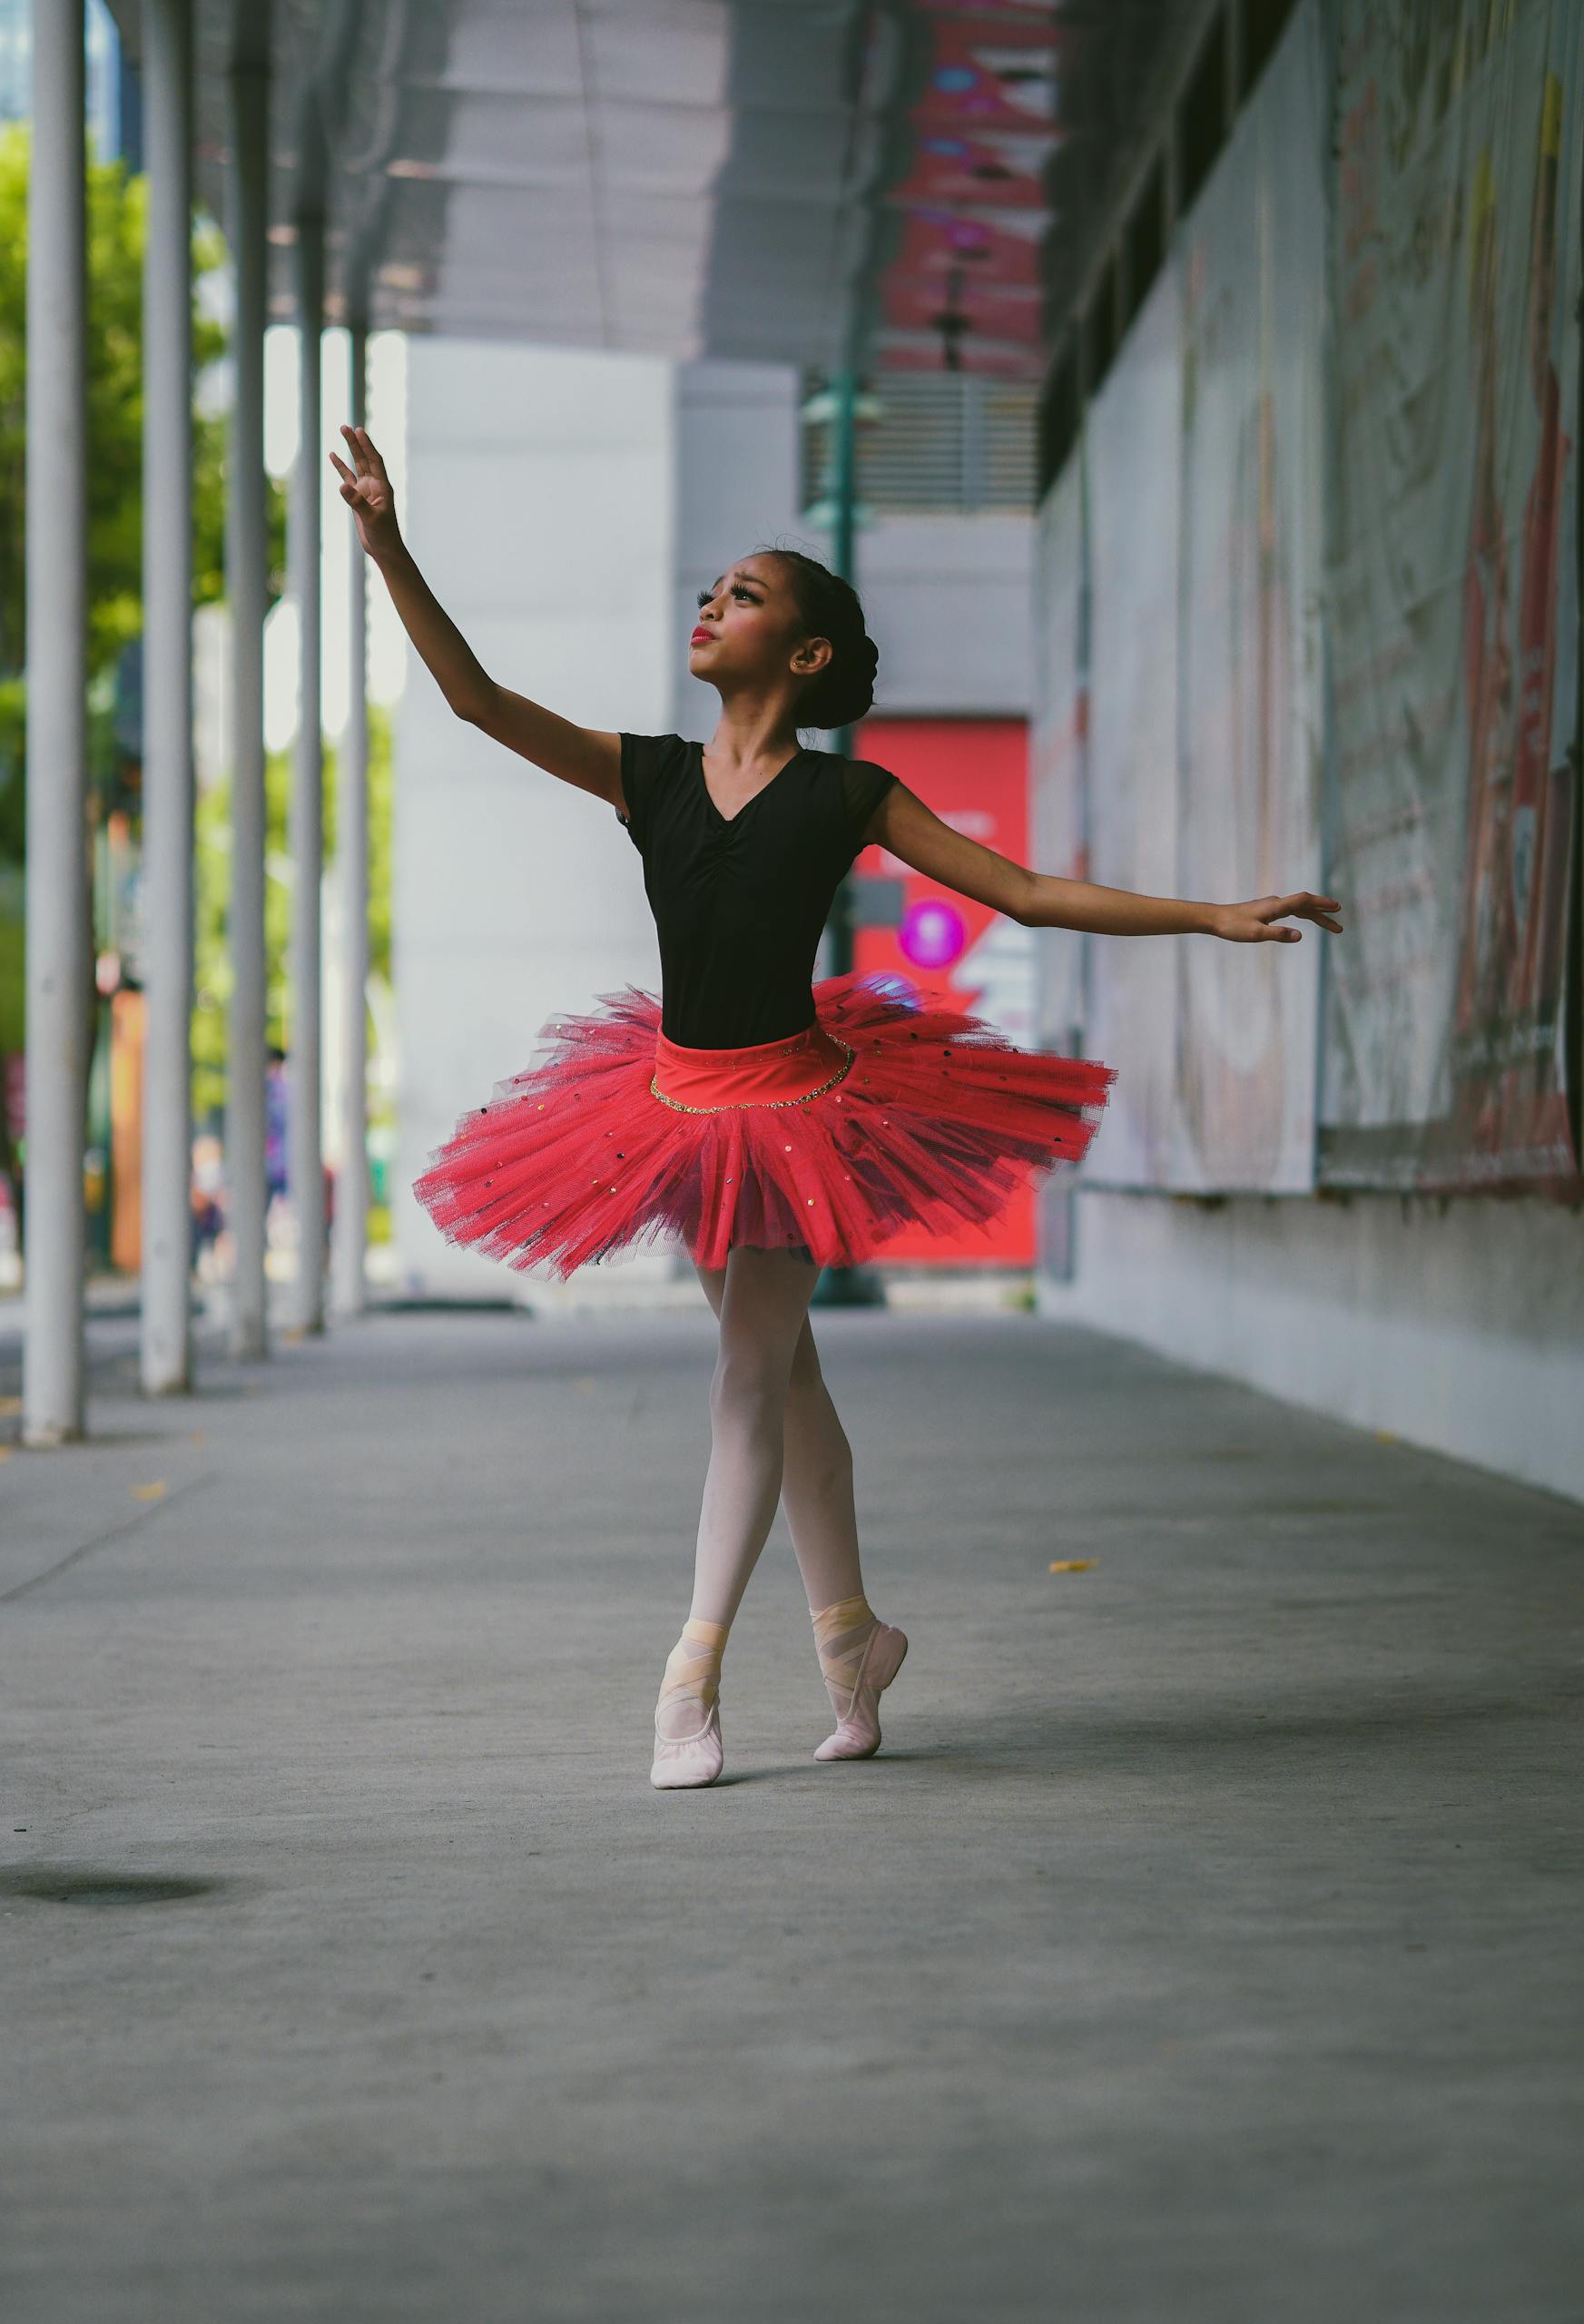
x,y
739,904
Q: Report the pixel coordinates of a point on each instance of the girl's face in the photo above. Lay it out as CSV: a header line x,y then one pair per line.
x,y
749,632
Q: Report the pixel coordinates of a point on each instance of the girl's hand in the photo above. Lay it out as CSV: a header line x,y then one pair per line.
x,y
1252,923
366,489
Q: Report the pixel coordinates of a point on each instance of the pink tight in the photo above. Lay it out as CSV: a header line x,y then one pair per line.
x,y
774,1436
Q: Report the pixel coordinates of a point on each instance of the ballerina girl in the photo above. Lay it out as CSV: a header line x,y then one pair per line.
x,y
773,1124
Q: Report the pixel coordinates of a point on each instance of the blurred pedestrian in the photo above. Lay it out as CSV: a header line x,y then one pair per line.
x,y
277,1105
208,1189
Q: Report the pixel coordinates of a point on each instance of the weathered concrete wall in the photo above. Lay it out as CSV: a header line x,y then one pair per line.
x,y
1458,1325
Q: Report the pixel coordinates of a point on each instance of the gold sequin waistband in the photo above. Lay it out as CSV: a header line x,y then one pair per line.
x,y
789,1049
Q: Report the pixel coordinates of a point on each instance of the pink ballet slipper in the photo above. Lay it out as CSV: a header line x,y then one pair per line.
x,y
692,1679
859,1665
695,1759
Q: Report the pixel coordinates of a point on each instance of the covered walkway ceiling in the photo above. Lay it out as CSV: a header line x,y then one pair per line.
x,y
742,178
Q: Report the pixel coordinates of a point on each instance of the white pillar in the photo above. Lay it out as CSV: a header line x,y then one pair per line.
x,y
59,985
305,1164
247,586
167,879
349,1238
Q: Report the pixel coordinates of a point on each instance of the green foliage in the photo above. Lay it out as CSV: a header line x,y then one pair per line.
x,y
213,963
117,216
12,964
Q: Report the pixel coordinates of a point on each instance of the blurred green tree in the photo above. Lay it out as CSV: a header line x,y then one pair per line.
x,y
117,208
212,962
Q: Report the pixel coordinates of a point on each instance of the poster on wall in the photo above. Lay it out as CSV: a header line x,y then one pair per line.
x,y
1250,722
1057,744
1181,736
1452,590
1134,471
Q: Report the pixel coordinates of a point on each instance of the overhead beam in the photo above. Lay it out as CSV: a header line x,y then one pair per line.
x,y
1168,76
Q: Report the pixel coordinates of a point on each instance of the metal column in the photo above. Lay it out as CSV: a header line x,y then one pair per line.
x,y
349,1245
305,1158
843,559
59,987
841,1287
167,887
246,550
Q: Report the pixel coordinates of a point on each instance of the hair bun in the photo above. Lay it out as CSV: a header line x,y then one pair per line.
x,y
846,693
843,691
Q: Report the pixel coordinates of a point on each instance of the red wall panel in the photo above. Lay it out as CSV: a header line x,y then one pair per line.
x,y
974,773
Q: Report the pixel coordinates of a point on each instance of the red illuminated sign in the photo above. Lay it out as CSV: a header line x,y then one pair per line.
x,y
973,772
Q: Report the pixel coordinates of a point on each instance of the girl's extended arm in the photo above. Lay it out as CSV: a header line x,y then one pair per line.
x,y
582,755
903,825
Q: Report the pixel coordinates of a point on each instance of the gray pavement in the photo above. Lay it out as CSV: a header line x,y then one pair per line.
x,y
1204,1944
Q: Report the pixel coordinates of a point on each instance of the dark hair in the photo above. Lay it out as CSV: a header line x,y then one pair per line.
x,y
843,691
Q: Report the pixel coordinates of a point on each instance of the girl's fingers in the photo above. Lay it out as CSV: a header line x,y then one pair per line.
x,y
1266,914
375,460
348,487
1321,909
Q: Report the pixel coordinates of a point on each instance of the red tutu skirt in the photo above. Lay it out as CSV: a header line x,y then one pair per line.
x,y
883,1114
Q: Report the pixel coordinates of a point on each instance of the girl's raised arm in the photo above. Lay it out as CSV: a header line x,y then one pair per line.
x,y
584,756
908,828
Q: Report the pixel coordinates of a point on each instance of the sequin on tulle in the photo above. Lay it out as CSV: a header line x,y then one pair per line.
x,y
946,1123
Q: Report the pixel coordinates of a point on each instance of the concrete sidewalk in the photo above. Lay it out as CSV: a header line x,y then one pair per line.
x,y
1202,1945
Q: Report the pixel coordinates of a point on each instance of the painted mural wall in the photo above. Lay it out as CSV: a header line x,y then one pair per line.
x,y
1309,618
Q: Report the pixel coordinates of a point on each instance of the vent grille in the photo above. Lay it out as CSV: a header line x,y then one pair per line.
x,y
947,441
